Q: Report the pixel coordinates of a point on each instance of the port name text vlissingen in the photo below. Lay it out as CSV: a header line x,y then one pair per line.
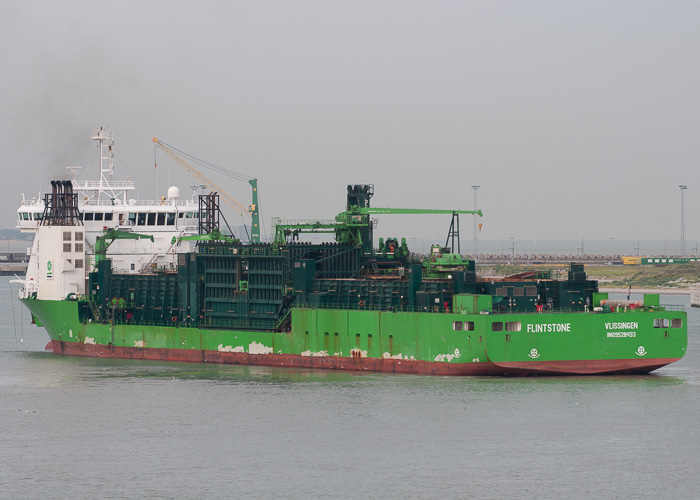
x,y
549,327
623,325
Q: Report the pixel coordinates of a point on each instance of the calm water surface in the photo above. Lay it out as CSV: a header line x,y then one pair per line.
x,y
91,428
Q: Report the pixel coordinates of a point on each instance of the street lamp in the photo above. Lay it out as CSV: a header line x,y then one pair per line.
x,y
512,258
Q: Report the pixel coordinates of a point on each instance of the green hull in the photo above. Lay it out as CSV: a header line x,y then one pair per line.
x,y
414,342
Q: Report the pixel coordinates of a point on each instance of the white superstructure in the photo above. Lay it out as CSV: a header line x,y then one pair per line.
x,y
61,256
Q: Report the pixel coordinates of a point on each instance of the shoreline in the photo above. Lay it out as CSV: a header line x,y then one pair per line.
x,y
663,291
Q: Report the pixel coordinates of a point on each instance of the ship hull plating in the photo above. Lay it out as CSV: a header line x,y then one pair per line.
x,y
417,367
393,342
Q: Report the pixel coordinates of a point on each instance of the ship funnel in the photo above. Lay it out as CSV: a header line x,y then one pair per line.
x,y
61,206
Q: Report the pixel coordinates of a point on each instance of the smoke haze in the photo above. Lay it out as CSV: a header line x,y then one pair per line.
x,y
578,120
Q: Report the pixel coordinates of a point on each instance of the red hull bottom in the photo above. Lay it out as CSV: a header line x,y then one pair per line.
x,y
582,367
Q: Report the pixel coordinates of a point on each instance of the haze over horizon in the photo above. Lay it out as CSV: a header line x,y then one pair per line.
x,y
577,120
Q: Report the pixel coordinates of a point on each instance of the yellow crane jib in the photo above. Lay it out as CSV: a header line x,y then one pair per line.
x,y
252,210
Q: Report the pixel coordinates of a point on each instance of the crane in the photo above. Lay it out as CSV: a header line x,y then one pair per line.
x,y
214,235
102,243
350,227
252,210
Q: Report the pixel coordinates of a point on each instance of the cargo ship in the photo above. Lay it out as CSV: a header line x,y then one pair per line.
x,y
346,304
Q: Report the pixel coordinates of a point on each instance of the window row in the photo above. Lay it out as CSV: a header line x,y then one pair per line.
x,y
140,218
496,326
68,236
68,247
463,325
510,291
30,216
664,323
159,218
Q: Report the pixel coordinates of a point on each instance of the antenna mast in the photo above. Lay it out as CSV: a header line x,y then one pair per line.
x,y
105,138
476,232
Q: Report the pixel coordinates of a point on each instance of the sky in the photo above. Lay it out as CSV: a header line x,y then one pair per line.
x,y
578,120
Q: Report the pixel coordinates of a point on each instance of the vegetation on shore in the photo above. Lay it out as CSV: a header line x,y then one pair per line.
x,y
676,276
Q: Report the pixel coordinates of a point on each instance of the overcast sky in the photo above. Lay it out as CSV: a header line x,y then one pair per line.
x,y
579,119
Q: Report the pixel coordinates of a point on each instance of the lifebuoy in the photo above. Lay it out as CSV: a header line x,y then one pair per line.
x,y
174,318
362,303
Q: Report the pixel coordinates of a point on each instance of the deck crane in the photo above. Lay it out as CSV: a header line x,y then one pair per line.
x,y
102,243
252,210
354,226
214,235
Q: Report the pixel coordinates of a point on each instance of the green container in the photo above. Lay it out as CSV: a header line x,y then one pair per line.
x,y
466,303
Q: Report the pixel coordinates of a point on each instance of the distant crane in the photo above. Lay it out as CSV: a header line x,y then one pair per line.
x,y
252,210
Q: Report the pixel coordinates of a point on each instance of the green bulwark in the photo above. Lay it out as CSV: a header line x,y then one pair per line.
x,y
652,300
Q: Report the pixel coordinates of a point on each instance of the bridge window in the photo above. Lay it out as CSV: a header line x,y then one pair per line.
x,y
661,323
676,323
88,215
141,221
457,325
67,236
171,219
531,291
497,326
518,292
151,219
78,247
78,263
99,216
469,326
132,218
66,247
161,219
109,216
78,236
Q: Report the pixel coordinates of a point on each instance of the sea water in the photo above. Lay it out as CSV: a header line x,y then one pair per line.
x,y
105,428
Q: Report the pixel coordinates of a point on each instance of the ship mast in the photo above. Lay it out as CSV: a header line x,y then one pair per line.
x,y
113,191
105,138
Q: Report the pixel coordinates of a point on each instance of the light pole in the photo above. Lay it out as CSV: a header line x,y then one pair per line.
x,y
512,255
683,189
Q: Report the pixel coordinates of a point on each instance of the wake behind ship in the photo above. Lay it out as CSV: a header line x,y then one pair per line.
x,y
343,305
